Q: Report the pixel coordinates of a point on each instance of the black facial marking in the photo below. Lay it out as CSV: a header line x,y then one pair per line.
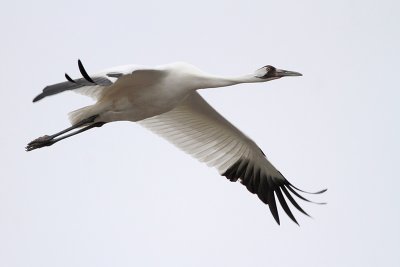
x,y
270,72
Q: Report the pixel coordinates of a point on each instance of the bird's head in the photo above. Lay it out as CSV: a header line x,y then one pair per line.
x,y
269,72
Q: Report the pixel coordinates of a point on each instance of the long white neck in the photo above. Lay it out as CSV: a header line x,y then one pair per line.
x,y
209,81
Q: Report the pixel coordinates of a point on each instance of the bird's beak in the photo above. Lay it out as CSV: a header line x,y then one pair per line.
x,y
284,73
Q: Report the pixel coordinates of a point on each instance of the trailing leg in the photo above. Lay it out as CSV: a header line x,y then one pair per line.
x,y
48,140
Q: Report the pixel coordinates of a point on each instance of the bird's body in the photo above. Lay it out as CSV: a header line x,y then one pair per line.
x,y
142,94
147,92
164,99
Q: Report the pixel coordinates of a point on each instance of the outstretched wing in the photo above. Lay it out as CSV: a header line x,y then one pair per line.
x,y
196,128
95,86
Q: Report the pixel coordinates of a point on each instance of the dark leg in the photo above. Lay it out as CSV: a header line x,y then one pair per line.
x,y
48,140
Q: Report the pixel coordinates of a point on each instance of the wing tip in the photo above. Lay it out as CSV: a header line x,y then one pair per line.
x,y
267,189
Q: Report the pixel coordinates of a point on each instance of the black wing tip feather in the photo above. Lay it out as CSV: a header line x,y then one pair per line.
x,y
69,78
307,192
272,206
266,187
83,72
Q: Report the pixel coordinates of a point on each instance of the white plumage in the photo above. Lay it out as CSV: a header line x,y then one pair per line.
x,y
165,100
196,128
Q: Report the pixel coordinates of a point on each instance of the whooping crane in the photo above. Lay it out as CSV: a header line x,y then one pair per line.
x,y
165,100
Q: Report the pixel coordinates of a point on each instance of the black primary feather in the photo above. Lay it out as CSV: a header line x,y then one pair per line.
x,y
266,187
83,72
69,78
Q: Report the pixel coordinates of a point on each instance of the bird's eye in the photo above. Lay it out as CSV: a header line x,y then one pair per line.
x,y
269,68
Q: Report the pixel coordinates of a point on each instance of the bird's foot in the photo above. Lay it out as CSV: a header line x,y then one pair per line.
x,y
42,141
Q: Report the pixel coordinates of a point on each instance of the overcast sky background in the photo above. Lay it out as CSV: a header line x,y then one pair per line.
x,y
121,196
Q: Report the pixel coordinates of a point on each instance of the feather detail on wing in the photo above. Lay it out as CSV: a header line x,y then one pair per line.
x,y
196,128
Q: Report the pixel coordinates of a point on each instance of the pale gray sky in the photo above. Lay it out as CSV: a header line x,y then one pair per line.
x,y
121,196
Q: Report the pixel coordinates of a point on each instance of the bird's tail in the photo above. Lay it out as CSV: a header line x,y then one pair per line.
x,y
79,115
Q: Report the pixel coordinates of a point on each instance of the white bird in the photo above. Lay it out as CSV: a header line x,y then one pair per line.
x,y
165,100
